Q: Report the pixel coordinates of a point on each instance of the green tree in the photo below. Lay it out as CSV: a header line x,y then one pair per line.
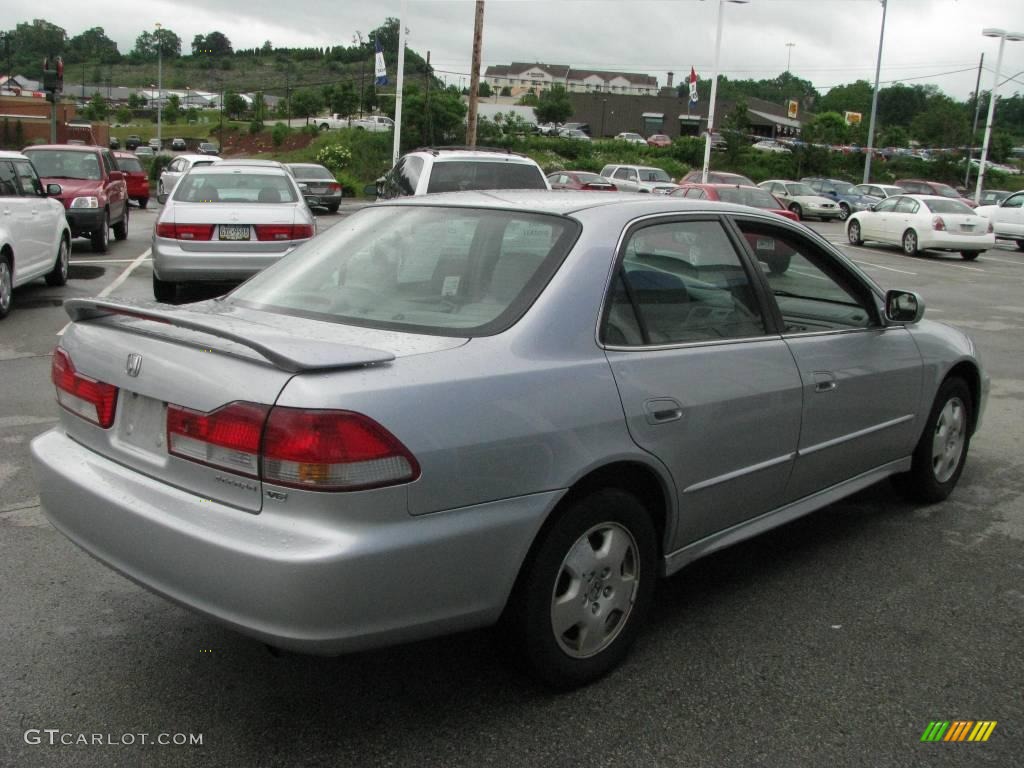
x,y
826,128
31,42
369,98
443,123
853,97
943,124
553,105
528,99
344,99
484,91
96,109
213,44
735,127
506,91
135,101
894,136
92,45
234,105
305,102
148,44
123,115
172,110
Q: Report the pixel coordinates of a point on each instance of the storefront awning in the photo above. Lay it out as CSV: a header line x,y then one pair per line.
x,y
655,115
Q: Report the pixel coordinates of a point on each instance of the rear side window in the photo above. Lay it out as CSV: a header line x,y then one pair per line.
x,y
682,282
459,175
27,178
426,269
129,164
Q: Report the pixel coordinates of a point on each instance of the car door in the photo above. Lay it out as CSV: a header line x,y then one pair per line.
x,y
622,181
33,229
861,379
706,382
873,223
904,217
16,221
116,185
1008,218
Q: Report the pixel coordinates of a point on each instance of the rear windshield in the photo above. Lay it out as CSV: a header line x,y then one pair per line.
x,y
459,175
752,196
424,269
799,189
311,172
129,164
65,164
948,206
726,178
945,191
234,188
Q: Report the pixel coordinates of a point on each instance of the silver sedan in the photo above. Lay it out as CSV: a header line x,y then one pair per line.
x,y
477,406
226,222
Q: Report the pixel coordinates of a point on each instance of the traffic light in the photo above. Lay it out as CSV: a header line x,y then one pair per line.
x,y
53,77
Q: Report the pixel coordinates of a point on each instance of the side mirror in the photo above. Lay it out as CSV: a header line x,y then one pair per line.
x,y
903,307
370,190
116,176
53,190
873,207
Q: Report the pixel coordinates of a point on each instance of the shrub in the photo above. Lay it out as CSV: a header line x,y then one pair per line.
x,y
255,127
334,156
157,164
279,134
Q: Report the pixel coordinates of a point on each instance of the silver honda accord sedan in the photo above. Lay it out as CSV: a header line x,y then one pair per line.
x,y
226,222
514,406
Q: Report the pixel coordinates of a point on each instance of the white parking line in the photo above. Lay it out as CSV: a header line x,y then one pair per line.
x,y
986,257
879,266
117,283
106,261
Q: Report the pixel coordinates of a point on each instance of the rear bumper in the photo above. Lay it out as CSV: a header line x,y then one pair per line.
x,y
174,264
325,200
301,583
950,241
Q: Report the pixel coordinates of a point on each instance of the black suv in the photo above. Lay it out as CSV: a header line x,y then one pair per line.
x,y
133,142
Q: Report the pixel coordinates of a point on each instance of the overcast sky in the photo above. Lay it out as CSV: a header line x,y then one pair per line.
x,y
836,41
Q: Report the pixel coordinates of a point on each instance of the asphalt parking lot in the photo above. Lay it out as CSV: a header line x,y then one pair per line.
x,y
834,640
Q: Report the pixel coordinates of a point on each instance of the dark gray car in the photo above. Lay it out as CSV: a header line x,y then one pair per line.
x,y
318,185
524,405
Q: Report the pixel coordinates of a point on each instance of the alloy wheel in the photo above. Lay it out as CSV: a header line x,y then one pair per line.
x,y
6,286
948,440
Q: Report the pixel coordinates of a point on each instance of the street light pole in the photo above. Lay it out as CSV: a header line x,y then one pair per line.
x,y
974,127
714,89
789,56
1003,36
874,101
159,86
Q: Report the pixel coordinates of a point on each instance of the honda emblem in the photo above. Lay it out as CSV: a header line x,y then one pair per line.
x,y
134,364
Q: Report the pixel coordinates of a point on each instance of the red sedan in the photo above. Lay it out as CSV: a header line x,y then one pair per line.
x,y
135,177
772,252
659,140
581,180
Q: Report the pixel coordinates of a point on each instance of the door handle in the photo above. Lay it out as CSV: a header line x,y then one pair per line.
x,y
662,410
824,381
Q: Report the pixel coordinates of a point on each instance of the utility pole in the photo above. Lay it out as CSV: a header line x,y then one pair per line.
x,y
159,85
789,56
399,74
427,133
974,129
874,101
358,37
474,75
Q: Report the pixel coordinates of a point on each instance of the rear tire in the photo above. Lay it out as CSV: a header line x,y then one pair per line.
x,y
163,290
941,452
585,589
59,274
101,238
121,228
795,208
143,202
333,207
970,255
853,233
909,243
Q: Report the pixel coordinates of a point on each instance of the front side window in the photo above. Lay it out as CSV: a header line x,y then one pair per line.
x,y
8,180
438,270
813,290
907,205
1014,201
27,179
681,282
621,173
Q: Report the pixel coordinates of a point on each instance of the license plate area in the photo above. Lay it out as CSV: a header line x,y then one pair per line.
x,y
766,244
142,423
967,227
233,232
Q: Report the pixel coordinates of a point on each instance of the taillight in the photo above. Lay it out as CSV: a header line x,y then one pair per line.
x,y
228,437
334,186
93,400
938,224
333,451
312,449
184,231
283,231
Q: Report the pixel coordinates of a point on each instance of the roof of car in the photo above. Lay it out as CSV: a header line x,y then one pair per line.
x,y
8,155
478,154
247,163
72,147
195,156
237,166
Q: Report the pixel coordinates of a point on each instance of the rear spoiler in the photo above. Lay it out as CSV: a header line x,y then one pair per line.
x,y
285,351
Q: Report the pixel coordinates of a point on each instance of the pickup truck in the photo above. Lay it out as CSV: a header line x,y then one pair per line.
x,y
373,123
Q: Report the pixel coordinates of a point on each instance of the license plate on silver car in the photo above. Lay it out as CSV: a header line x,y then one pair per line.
x,y
232,232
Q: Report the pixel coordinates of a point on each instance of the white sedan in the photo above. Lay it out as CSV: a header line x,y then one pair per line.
x,y
923,222
177,168
772,146
1007,218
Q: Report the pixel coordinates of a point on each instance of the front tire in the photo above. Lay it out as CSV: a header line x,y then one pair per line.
x,y
853,233
101,238
59,274
121,228
163,290
585,589
6,286
941,452
795,208
909,242
844,211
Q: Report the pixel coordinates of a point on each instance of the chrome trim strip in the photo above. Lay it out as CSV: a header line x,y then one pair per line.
x,y
688,344
673,561
854,435
837,332
739,473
